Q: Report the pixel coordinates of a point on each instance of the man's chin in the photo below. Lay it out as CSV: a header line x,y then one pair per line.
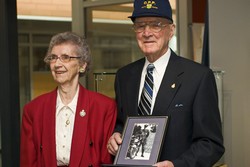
x,y
148,52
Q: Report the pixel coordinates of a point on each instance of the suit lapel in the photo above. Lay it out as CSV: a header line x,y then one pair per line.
x,y
80,128
134,86
170,84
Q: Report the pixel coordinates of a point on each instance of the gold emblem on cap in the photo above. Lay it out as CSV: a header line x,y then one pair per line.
x,y
173,86
149,4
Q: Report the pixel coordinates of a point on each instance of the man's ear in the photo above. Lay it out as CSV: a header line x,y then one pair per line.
x,y
172,31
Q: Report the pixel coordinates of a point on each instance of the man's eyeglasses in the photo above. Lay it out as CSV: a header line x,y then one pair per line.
x,y
62,58
153,26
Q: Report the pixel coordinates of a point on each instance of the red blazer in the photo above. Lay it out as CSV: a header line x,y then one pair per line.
x,y
90,136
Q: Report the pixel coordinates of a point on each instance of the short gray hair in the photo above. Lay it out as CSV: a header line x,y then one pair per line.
x,y
82,48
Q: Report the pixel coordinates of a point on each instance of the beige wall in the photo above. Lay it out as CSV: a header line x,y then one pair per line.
x,y
56,8
230,51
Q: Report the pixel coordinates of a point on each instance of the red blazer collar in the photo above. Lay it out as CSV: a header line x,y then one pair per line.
x,y
79,134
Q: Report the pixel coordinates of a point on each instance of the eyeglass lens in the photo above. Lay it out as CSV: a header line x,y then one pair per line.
x,y
153,26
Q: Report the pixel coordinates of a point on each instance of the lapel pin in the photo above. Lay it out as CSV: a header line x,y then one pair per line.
x,y
82,113
173,85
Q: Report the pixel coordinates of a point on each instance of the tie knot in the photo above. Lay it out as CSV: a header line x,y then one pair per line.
x,y
150,68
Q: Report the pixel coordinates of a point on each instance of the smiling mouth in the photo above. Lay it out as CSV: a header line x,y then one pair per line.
x,y
60,72
148,42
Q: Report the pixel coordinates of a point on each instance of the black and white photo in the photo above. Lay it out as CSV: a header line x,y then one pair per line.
x,y
142,139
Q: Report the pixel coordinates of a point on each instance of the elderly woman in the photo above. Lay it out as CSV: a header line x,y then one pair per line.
x,y
69,126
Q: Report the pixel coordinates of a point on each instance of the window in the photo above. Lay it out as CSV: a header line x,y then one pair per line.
x,y
111,38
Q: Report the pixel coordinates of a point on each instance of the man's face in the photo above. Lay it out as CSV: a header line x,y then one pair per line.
x,y
153,35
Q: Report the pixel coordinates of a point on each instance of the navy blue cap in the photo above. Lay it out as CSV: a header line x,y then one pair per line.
x,y
155,8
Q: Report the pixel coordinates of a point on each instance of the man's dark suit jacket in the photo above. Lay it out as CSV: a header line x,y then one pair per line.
x,y
194,133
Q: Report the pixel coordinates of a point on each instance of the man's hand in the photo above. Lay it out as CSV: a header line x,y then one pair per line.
x,y
113,143
164,164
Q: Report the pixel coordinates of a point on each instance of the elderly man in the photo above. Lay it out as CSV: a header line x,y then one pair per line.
x,y
163,83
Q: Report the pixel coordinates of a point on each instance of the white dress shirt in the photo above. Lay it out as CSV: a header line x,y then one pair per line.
x,y
158,73
65,117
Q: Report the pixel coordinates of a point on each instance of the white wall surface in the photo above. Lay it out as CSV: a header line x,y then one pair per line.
x,y
230,51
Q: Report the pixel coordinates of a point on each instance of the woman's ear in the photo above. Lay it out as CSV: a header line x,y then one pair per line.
x,y
82,68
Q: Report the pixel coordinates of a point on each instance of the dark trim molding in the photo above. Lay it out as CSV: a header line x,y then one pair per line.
x,y
9,85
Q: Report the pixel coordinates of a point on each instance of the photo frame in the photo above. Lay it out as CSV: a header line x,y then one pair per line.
x,y
142,141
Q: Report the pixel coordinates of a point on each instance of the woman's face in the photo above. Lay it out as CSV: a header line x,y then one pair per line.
x,y
65,73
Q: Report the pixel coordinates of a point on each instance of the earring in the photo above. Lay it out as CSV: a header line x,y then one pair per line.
x,y
81,70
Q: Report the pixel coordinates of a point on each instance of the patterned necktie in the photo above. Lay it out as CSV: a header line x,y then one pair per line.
x,y
147,92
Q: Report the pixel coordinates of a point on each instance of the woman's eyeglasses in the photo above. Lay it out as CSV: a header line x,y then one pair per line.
x,y
62,58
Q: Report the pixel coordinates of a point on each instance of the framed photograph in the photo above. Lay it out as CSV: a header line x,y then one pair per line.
x,y
142,140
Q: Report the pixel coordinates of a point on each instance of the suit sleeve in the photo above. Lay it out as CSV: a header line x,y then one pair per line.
x,y
121,116
207,141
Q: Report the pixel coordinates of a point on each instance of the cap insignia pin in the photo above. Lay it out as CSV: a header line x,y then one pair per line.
x,y
149,5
